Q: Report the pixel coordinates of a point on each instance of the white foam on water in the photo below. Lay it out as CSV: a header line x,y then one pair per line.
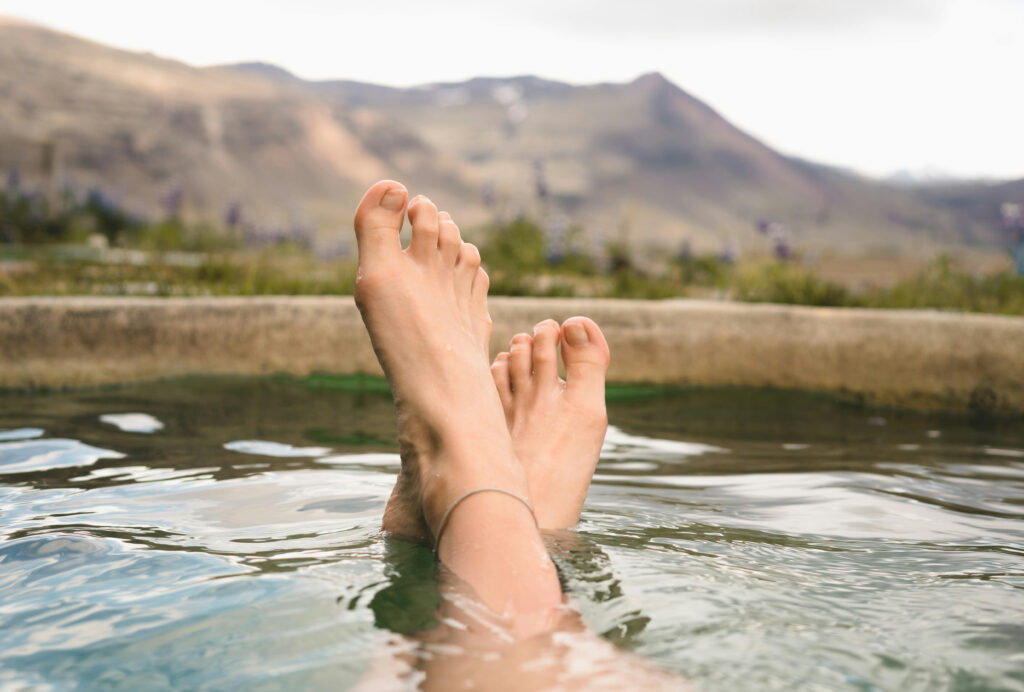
x,y
275,449
629,466
621,445
141,423
370,459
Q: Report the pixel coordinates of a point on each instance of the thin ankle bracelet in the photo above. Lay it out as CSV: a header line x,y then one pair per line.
x,y
460,498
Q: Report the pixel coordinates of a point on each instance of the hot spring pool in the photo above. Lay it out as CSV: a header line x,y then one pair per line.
x,y
227,537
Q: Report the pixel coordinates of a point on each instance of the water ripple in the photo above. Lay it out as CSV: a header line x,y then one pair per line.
x,y
44,454
21,434
777,546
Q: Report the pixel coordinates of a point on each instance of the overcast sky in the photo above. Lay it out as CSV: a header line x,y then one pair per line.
x,y
873,85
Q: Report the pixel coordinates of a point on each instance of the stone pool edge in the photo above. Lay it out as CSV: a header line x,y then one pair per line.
x,y
907,358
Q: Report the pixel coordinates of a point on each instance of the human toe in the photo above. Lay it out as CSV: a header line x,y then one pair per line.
x,y
449,240
466,265
379,218
425,222
521,363
586,356
500,373
545,352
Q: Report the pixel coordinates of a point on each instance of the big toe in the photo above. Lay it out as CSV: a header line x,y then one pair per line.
x,y
586,356
379,219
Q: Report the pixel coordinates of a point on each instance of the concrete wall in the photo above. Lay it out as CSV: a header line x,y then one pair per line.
x,y
906,358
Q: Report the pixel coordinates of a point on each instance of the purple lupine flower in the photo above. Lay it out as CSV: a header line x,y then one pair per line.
x,y
172,201
783,250
778,234
540,178
233,215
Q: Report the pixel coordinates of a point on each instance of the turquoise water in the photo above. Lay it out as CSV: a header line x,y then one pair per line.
x,y
225,536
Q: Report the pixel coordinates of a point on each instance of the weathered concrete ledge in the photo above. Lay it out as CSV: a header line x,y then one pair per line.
x,y
918,359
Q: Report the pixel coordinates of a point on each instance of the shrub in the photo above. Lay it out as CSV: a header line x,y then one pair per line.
x,y
785,283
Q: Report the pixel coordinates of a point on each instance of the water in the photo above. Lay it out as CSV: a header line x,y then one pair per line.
x,y
225,535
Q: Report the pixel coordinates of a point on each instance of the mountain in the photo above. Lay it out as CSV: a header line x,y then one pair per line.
x,y
642,161
142,128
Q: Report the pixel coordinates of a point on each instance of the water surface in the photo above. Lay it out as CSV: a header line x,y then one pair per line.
x,y
223,533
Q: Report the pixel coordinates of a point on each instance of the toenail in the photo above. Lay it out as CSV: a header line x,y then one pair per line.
x,y
393,199
543,324
576,334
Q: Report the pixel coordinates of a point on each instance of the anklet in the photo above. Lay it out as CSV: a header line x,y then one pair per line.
x,y
460,498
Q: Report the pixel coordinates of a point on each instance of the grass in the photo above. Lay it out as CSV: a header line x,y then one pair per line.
x,y
941,285
28,271
89,247
220,274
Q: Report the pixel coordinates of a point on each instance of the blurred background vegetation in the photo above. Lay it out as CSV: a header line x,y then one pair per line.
x,y
69,244
131,174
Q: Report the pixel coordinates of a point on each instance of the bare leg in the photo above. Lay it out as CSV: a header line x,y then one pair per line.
x,y
557,426
424,309
503,621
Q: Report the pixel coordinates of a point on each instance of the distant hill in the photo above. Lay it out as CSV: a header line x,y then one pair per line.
x,y
642,161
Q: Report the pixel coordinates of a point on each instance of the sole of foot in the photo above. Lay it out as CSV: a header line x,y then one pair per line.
x,y
557,426
425,308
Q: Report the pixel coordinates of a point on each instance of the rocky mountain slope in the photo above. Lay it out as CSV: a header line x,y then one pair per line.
x,y
642,161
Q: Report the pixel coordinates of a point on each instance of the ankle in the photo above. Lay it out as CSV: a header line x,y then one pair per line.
x,y
439,534
519,579
454,472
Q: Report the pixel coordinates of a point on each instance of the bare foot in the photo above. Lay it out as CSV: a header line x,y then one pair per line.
x,y
425,309
557,426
